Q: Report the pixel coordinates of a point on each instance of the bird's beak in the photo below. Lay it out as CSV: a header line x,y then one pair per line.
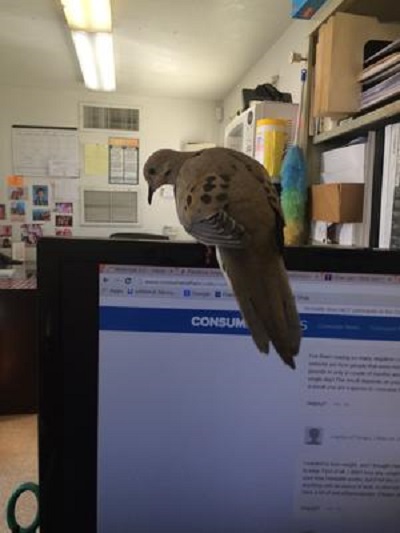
x,y
150,195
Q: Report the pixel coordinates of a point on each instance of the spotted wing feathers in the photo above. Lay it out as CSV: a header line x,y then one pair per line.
x,y
218,229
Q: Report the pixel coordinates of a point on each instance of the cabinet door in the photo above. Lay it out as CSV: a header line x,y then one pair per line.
x,y
18,351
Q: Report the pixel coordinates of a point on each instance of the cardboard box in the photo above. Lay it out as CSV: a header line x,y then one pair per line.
x,y
337,202
305,9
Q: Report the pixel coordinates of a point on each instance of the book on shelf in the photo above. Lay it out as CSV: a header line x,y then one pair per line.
x,y
384,51
371,183
381,92
389,227
381,66
380,78
395,235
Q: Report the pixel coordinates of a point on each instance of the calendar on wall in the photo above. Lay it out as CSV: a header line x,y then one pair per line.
x,y
45,152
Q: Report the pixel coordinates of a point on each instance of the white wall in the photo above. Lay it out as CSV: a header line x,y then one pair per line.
x,y
164,123
274,62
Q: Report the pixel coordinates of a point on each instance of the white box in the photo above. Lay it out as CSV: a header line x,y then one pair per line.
x,y
350,234
344,165
18,251
319,232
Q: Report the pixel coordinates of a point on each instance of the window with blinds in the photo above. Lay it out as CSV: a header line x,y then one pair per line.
x,y
110,207
109,118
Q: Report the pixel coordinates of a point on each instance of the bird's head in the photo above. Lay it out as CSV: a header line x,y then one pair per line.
x,y
162,168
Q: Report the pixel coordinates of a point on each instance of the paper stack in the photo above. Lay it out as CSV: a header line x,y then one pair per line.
x,y
380,79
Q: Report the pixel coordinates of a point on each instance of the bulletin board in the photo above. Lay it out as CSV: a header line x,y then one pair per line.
x,y
52,167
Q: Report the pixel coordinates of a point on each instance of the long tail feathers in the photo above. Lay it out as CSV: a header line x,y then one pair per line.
x,y
266,301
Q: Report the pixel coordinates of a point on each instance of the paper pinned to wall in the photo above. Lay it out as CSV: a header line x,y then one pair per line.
x,y
66,191
124,160
116,163
61,168
15,181
37,150
95,159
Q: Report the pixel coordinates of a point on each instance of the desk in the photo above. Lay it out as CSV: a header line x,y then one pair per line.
x,y
18,343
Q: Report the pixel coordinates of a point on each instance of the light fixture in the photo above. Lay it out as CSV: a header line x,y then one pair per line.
x,y
88,15
96,59
90,25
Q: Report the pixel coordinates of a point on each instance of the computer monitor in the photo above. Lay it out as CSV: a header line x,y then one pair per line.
x,y
157,413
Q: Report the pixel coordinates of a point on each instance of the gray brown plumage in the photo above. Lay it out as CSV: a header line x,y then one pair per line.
x,y
225,199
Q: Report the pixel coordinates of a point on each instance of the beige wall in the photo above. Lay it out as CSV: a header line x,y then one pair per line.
x,y
275,62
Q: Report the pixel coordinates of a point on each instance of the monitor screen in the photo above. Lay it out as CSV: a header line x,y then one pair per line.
x,y
199,433
157,414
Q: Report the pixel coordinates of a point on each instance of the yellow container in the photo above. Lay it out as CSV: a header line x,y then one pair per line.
x,y
271,138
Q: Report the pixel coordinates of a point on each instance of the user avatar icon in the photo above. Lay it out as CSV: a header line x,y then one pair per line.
x,y
313,435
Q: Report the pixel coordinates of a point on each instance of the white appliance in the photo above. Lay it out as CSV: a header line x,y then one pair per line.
x,y
240,133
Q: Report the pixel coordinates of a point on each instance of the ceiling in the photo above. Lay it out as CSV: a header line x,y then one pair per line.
x,y
178,48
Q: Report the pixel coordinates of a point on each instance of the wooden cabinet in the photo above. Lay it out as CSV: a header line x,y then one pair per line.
x,y
340,49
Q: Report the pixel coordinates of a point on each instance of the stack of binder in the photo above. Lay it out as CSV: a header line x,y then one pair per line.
x,y
380,78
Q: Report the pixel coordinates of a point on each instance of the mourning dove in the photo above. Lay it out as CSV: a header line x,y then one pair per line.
x,y
225,199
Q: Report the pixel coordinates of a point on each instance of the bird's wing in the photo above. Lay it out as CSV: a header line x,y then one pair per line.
x,y
217,229
261,175
204,201
220,195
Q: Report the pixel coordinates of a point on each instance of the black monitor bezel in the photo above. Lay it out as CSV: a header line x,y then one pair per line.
x,y
68,350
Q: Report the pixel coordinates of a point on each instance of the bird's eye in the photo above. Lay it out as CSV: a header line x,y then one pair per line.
x,y
152,171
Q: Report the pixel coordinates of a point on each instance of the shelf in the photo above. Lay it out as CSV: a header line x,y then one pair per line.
x,y
360,124
384,10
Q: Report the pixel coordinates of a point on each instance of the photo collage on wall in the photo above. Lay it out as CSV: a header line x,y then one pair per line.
x,y
39,198
28,211
64,219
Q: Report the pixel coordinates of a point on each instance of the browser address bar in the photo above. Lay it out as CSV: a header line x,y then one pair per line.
x,y
182,283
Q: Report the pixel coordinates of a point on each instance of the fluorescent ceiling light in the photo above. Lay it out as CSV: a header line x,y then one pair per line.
x,y
96,59
90,24
104,52
88,15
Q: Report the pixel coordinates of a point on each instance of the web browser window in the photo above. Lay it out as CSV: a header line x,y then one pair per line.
x,y
199,433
